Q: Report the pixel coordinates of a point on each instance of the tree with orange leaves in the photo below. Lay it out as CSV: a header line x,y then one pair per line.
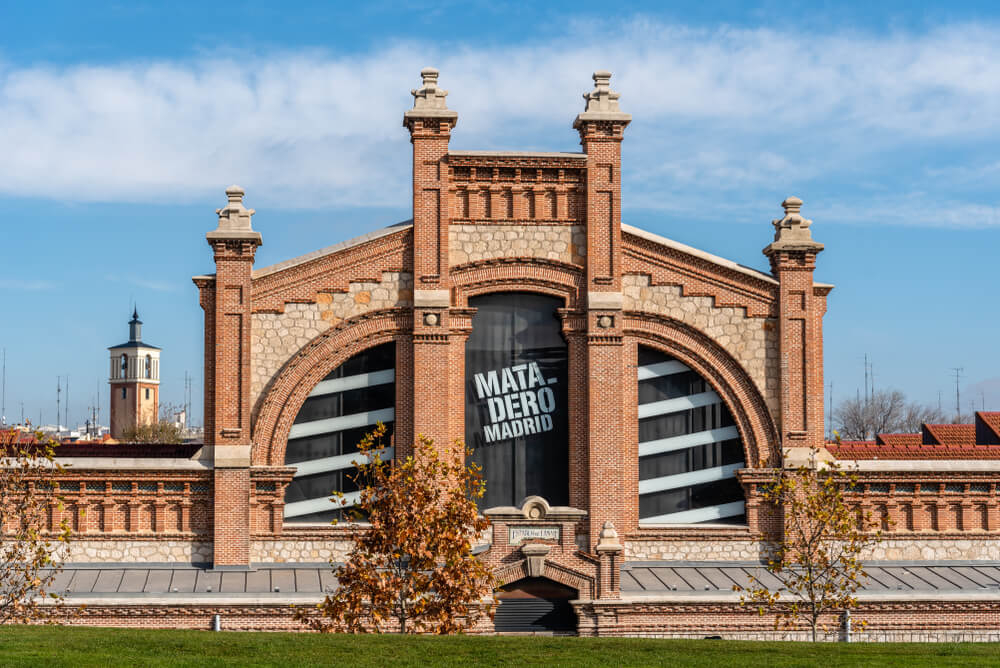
x,y
817,560
412,570
27,547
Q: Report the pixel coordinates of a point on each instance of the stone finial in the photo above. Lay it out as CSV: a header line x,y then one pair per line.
x,y
602,102
429,100
602,98
608,541
234,219
791,232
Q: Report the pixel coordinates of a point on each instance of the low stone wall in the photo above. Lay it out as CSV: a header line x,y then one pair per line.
x,y
136,551
934,549
282,551
695,550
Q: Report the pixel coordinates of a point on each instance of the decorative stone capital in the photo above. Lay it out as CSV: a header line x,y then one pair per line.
x,y
234,220
791,232
534,556
602,103
608,541
429,100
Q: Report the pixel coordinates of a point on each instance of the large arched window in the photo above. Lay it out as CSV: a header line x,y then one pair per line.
x,y
323,441
149,366
124,366
689,447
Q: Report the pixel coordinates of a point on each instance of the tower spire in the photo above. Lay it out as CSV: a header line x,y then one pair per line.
x,y
135,326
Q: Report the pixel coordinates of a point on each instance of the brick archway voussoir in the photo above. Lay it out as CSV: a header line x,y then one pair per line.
x,y
285,394
723,372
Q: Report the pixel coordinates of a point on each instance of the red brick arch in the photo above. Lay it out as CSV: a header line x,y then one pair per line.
x,y
285,394
550,277
722,371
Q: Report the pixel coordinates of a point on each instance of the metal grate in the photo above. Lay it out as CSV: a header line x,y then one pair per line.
x,y
954,489
173,487
979,488
147,486
121,487
879,488
69,486
199,487
267,487
906,488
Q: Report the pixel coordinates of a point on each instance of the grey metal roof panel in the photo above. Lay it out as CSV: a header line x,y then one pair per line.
x,y
233,582
83,581
283,581
307,580
133,581
975,576
208,581
158,581
273,581
258,582
183,581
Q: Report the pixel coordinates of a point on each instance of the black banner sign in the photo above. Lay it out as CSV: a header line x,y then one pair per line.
x,y
516,412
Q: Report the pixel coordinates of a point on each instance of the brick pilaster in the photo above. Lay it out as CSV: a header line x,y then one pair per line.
x,y
227,378
601,127
800,321
430,123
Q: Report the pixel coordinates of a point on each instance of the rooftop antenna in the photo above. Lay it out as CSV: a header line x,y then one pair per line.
x,y
58,399
829,427
66,410
3,400
958,395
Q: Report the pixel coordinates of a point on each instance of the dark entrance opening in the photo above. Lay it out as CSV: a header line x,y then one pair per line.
x,y
535,605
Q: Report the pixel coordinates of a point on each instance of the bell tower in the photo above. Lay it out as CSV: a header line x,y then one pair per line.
x,y
135,381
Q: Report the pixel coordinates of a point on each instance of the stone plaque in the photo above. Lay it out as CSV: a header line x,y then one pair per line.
x,y
517,535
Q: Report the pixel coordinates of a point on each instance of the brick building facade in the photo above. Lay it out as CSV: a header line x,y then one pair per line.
x,y
627,395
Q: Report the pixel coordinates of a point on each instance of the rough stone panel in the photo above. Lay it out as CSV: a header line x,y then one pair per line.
x,y
752,341
928,549
696,550
471,243
275,337
300,551
135,551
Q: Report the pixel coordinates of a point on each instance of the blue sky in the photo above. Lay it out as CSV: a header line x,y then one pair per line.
x,y
122,123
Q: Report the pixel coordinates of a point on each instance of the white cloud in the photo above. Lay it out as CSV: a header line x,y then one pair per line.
x,y
730,114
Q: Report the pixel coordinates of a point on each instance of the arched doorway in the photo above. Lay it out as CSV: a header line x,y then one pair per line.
x,y
535,605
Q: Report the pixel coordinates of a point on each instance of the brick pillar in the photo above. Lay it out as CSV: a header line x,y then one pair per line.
x,y
801,308
430,123
227,377
601,127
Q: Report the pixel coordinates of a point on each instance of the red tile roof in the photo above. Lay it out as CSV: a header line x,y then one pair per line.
x,y
936,441
991,420
899,440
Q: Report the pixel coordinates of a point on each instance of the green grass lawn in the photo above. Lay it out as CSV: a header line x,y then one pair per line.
x,y
58,646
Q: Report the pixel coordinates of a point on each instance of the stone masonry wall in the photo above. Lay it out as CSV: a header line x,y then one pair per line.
x,y
469,243
752,341
275,337
930,549
300,551
135,551
695,550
